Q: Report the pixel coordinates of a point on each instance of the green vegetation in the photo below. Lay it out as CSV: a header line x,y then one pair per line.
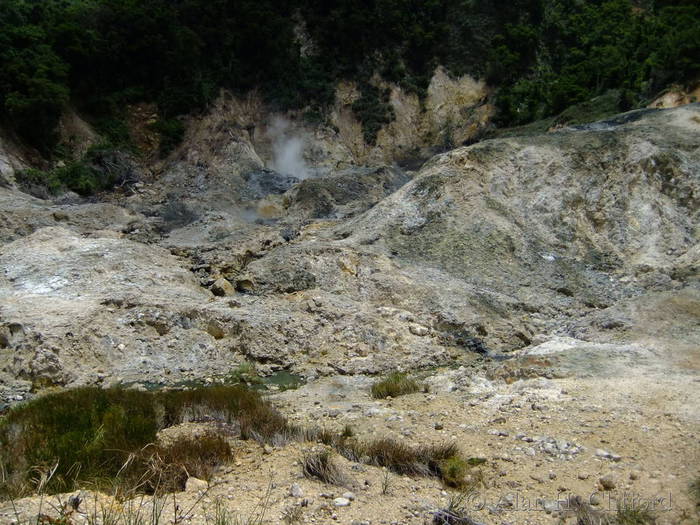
x,y
401,458
373,110
544,55
171,131
102,167
453,471
107,438
586,48
91,434
397,384
428,460
245,374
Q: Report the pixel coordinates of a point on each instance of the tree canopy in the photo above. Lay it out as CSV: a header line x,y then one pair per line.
x,y
542,55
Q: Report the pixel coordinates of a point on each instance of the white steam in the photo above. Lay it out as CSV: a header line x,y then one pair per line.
x,y
287,150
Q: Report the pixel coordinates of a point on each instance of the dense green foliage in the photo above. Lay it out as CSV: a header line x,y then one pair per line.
x,y
101,168
543,54
581,49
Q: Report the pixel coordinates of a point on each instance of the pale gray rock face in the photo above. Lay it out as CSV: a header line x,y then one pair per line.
x,y
589,233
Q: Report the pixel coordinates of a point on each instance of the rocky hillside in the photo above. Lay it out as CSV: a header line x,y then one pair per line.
x,y
544,286
583,232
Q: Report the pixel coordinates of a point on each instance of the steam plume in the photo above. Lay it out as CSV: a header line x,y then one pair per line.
x,y
287,150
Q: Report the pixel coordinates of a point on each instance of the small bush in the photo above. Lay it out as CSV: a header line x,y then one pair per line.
x,y
625,515
320,466
41,184
395,385
348,432
244,374
453,470
293,515
102,168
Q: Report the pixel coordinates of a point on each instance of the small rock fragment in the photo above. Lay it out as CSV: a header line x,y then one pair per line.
x,y
196,485
222,288
417,329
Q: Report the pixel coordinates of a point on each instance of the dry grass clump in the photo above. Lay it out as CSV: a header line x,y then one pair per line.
x,y
634,515
166,468
443,460
456,512
625,515
293,515
396,384
322,467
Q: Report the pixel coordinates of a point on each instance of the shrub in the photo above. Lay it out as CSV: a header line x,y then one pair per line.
x,y
455,513
395,385
244,374
348,431
38,183
102,168
167,467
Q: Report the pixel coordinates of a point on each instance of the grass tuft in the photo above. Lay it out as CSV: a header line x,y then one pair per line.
x,y
453,471
397,384
634,515
455,513
321,466
428,460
